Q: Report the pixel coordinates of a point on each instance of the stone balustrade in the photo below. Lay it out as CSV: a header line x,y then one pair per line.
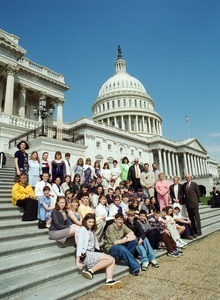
x,y
44,71
17,121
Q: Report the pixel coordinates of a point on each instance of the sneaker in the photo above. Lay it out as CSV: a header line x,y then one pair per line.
x,y
155,263
144,266
113,285
136,273
178,252
179,244
87,274
182,242
173,254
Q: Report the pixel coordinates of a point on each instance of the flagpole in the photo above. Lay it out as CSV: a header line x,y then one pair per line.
x,y
187,126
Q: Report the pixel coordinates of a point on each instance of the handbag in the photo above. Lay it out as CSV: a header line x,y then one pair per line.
x,y
82,256
41,224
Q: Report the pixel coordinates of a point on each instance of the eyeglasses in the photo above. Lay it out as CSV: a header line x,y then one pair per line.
x,y
135,160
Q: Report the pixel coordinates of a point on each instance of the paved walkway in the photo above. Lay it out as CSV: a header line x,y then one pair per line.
x,y
193,276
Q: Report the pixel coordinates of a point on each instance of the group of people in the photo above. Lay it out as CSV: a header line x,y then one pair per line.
x,y
128,210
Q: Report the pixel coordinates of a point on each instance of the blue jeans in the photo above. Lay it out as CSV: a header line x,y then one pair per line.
x,y
125,252
145,251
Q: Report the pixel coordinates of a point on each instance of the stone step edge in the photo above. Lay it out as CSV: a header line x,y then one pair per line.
x,y
25,266
87,288
43,277
22,235
32,246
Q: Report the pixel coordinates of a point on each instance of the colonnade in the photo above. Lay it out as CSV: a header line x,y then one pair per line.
x,y
9,104
179,164
136,123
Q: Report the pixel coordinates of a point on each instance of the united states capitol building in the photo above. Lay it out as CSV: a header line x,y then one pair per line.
x,y
124,121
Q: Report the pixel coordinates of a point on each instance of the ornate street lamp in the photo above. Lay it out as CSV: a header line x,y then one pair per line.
x,y
43,113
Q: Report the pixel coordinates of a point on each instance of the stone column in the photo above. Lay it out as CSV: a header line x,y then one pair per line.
x,y
174,167
177,166
9,95
189,164
1,91
198,164
143,124
22,102
186,170
149,125
192,165
151,158
122,122
170,173
160,160
165,162
136,123
195,164
154,127
59,103
129,123
108,121
59,113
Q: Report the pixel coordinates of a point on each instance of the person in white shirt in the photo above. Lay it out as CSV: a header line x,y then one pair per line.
x,y
68,165
56,190
115,207
41,184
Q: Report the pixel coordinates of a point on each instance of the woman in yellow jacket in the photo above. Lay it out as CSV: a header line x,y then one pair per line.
x,y
23,196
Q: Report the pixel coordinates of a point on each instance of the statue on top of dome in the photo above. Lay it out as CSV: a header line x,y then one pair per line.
x,y
119,52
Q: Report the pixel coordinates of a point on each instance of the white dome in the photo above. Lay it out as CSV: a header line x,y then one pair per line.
x,y
121,82
124,103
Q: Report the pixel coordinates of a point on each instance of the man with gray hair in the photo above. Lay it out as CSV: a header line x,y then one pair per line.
x,y
147,181
192,194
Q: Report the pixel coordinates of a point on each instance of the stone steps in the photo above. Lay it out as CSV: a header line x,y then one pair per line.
x,y
34,276
31,243
34,267
24,260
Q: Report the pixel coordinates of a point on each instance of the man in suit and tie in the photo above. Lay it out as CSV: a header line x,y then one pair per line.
x,y
191,195
134,174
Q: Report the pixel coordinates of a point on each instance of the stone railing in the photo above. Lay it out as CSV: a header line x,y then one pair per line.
x,y
18,121
25,62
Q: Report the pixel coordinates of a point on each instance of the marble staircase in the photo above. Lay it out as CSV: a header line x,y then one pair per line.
x,y
34,267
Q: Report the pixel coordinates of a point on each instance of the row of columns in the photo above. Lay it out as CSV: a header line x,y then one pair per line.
x,y
9,96
192,164
195,165
126,103
140,123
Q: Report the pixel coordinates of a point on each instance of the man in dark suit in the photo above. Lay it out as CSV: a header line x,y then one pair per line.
x,y
191,195
134,174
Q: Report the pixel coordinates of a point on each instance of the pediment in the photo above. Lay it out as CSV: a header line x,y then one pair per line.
x,y
11,42
195,144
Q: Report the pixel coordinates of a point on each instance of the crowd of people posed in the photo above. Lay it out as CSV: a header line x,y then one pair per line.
x,y
128,211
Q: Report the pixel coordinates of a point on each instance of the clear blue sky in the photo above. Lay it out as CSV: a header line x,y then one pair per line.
x,y
171,46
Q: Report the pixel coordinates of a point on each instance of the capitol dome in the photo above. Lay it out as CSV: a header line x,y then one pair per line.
x,y
123,102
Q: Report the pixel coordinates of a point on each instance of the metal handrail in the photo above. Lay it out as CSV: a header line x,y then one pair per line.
x,y
52,132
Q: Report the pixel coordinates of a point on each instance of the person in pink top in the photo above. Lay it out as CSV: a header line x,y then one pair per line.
x,y
162,188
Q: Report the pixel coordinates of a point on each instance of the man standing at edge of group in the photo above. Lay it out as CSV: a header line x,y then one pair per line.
x,y
134,174
192,194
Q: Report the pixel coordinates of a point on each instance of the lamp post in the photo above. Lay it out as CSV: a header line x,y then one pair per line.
x,y
43,113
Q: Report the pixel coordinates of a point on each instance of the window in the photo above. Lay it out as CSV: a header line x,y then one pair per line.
x,y
132,152
109,147
98,144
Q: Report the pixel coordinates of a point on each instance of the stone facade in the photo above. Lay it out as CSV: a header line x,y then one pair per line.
x,y
124,122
